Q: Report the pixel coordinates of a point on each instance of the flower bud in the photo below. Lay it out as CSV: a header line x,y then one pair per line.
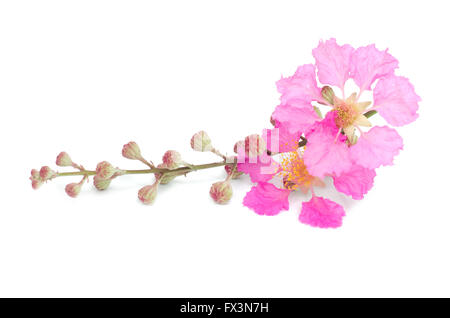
x,y
254,145
36,184
46,173
163,177
64,160
172,159
201,141
236,173
131,151
105,170
239,146
221,192
272,121
73,189
148,193
35,178
35,175
101,184
328,94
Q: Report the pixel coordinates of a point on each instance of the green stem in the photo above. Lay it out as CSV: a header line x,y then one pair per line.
x,y
179,171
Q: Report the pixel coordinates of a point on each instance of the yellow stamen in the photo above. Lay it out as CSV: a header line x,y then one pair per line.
x,y
294,173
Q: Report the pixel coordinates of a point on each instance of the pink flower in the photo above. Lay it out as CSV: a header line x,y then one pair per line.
x,y
355,182
267,199
320,212
328,151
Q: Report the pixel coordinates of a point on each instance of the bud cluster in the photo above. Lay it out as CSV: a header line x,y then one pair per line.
x,y
105,172
172,166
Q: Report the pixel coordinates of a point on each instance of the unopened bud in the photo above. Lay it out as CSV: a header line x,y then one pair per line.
x,y
35,178
164,178
105,170
239,146
64,160
148,193
272,121
46,173
172,159
254,145
35,175
36,184
73,189
221,192
235,174
328,94
131,151
101,184
201,141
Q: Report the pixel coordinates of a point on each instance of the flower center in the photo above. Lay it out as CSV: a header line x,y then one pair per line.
x,y
347,113
294,172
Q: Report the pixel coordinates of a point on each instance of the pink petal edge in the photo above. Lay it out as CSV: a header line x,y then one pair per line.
x,y
369,64
377,147
356,182
396,101
333,62
267,199
321,212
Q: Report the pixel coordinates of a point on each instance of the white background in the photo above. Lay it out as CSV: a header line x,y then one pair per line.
x,y
88,76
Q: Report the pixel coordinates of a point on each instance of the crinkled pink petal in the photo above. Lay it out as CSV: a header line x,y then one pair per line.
x,y
279,139
369,64
301,86
356,182
377,147
320,212
326,152
267,199
260,169
295,119
333,62
396,101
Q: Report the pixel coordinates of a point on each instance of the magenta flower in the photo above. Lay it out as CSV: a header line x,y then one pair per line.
x,y
393,98
338,144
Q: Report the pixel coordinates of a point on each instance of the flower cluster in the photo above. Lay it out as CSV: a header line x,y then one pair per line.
x,y
337,145
302,148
